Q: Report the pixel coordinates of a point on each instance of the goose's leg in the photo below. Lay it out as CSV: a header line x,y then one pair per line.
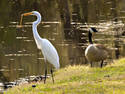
x,y
91,64
52,74
45,72
101,63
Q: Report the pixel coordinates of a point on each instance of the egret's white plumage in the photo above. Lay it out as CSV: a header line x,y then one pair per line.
x,y
49,52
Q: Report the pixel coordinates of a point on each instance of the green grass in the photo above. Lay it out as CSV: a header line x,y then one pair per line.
x,y
80,80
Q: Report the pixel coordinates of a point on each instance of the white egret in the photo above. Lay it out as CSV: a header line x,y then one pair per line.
x,y
49,52
95,52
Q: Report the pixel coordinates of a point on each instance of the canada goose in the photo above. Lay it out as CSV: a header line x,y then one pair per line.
x,y
95,52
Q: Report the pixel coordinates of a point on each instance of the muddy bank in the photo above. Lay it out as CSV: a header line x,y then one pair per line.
x,y
26,80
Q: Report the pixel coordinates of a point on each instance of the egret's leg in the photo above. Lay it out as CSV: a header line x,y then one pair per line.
x,y
45,72
91,64
52,75
101,63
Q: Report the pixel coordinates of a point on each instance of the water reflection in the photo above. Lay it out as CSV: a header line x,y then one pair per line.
x,y
64,25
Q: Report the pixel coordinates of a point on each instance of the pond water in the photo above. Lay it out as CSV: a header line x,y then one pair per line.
x,y
65,23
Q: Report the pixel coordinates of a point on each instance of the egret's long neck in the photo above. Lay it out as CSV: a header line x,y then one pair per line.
x,y
38,20
34,28
35,33
90,37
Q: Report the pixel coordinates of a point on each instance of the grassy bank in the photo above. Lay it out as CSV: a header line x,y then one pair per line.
x,y
80,80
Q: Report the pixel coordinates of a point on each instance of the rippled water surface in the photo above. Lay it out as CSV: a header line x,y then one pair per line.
x,y
65,23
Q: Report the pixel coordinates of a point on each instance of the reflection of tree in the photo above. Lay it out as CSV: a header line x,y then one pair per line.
x,y
84,5
2,76
64,12
65,16
76,15
4,12
114,16
73,15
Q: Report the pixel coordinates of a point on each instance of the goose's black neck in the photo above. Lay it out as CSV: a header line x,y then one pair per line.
x,y
90,37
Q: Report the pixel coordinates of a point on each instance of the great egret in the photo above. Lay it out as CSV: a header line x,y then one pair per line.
x,y
49,52
95,52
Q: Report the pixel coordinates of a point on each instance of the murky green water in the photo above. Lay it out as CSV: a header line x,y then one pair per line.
x,y
63,23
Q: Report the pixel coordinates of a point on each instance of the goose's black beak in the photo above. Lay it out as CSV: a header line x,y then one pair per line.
x,y
93,29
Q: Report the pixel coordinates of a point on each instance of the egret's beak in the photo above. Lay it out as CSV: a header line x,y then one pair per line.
x,y
24,14
27,14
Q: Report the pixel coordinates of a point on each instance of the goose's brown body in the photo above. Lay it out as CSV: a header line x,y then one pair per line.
x,y
96,52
